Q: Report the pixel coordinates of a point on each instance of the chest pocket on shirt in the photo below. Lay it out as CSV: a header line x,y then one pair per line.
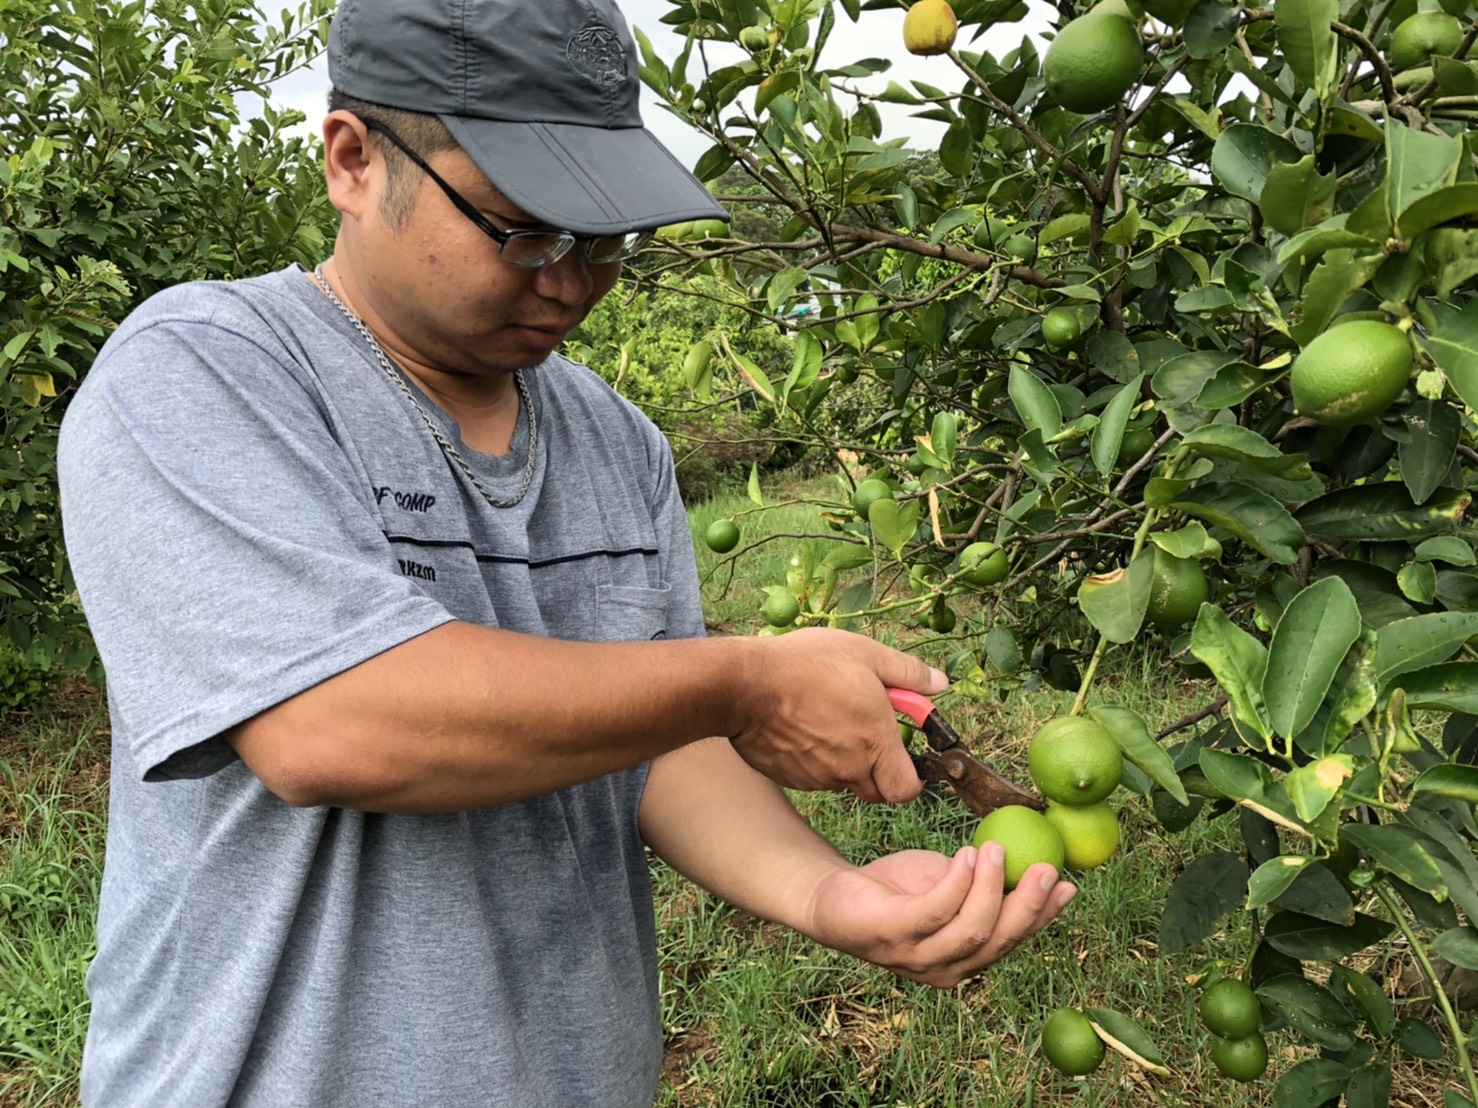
x,y
625,613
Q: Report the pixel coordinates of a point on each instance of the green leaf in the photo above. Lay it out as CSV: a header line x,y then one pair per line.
x,y
1310,1009
1418,581
1351,696
1307,41
1317,940
1446,548
1398,851
1418,163
1447,779
1139,747
1127,1038
1249,514
806,365
1314,1081
1382,512
1453,345
1451,687
754,484
1312,786
1428,447
1065,227
1316,892
1421,641
1210,29
1313,634
1108,436
1338,274
1445,205
942,435
1115,602
711,166
1418,1039
1369,1087
1243,156
957,149
1210,889
1296,194
893,523
1035,403
1459,946
1375,1006
1190,541
1235,776
1240,444
1270,879
1237,661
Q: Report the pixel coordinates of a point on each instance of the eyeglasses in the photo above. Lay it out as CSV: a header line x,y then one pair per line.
x,y
529,249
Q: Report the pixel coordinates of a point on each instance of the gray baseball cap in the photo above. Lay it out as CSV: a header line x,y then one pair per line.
x,y
541,94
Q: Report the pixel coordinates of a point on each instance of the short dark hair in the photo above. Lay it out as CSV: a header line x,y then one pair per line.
x,y
423,133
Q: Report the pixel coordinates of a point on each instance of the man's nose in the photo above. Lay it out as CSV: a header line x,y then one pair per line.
x,y
568,280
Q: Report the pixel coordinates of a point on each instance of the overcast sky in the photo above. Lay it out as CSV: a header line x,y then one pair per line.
x,y
876,35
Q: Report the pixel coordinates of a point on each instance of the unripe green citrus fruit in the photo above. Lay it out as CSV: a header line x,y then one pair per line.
x,y
983,236
942,619
1025,836
930,27
982,564
1351,373
1417,37
1135,445
1090,832
1021,246
1230,1009
1178,588
1092,63
1241,1059
709,229
1071,1044
1060,326
754,39
873,488
780,609
1074,760
721,536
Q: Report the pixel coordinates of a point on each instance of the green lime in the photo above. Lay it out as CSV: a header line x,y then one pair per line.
x,y
721,536
1417,37
1135,445
1090,832
1071,1044
1074,760
942,619
1243,1059
1230,1009
1351,373
780,609
982,564
1025,836
754,39
1060,326
867,491
1092,63
1021,246
1178,588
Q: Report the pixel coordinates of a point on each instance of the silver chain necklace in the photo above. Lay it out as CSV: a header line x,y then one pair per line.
x,y
436,433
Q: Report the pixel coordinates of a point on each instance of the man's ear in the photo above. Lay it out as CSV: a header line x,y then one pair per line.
x,y
352,167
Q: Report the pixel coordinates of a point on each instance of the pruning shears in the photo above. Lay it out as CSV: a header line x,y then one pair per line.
x,y
949,761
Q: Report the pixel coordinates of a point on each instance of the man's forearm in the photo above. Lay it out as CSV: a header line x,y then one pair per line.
x,y
467,717
731,830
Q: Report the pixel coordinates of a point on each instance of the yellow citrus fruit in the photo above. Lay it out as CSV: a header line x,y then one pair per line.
x,y
1025,836
873,488
1092,63
721,536
1071,1044
982,564
1178,588
1417,37
1060,326
780,609
929,27
1230,1009
1243,1059
1090,832
1074,760
1351,373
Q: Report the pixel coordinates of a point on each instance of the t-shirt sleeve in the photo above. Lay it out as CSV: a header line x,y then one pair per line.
x,y
675,541
225,552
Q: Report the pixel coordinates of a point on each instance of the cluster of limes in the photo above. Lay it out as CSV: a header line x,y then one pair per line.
x,y
1076,764
1231,1012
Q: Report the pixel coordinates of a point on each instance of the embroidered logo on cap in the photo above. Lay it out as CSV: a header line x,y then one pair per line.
x,y
596,54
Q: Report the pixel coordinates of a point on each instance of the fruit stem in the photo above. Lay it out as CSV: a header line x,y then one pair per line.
x,y
1459,1040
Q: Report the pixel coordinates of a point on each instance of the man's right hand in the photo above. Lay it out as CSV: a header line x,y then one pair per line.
x,y
816,714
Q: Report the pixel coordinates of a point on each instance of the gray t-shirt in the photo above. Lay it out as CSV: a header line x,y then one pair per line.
x,y
251,506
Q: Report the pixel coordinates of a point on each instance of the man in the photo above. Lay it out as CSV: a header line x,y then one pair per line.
x,y
403,635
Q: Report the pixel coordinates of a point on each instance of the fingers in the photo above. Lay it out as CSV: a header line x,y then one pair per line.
x,y
893,776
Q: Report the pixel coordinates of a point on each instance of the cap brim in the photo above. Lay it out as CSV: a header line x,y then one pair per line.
x,y
590,180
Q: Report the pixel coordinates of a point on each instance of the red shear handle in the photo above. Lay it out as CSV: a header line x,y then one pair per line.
x,y
916,706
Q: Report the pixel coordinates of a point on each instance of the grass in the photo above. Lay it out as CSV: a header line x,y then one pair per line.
x,y
753,1014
